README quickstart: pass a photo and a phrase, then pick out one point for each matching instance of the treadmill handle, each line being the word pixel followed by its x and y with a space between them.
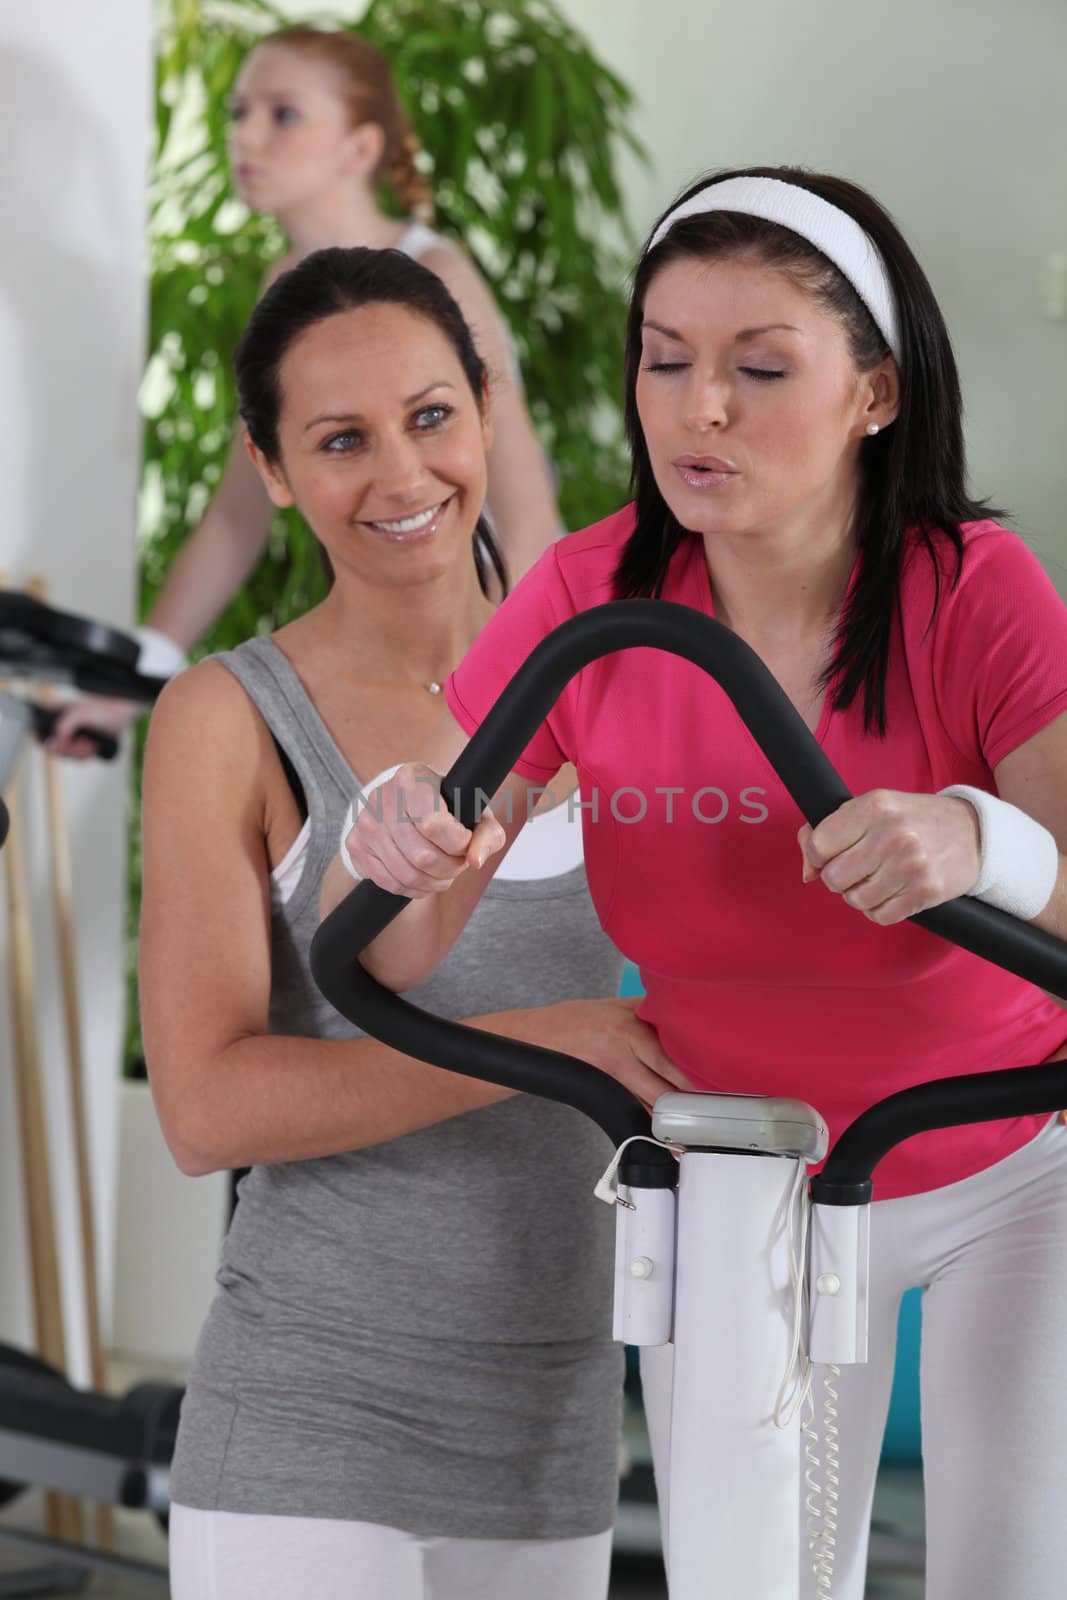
pixel 105 745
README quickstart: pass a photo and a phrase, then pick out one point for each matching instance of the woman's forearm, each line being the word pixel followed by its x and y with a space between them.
pixel 409 949
pixel 268 1098
pixel 218 555
pixel 521 493
pixel 417 941
pixel 208 570
pixel 1053 919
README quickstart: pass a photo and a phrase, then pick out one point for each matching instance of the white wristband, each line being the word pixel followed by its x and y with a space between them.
pixel 1020 860
pixel 160 656
pixel 350 815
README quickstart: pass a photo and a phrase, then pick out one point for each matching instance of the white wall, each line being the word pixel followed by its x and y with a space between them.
pixel 954 112
pixel 75 92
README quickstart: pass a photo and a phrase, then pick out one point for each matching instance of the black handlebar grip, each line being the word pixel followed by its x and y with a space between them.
pixel 105 745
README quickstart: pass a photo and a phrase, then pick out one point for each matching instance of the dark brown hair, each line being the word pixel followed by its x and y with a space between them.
pixel 324 284
pixel 912 475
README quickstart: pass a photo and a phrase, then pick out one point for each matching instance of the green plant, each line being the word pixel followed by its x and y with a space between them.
pixel 521 125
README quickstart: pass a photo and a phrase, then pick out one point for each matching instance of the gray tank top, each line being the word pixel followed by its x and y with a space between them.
pixel 417 1333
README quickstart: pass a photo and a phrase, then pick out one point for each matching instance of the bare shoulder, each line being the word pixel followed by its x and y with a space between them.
pixel 460 275
pixel 205 722
pixel 206 690
pixel 273 273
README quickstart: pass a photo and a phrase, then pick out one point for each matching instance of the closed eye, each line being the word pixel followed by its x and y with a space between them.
pixel 665 366
pixel 761 374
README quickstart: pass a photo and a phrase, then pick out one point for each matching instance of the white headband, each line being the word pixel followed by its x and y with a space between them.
pixel 834 232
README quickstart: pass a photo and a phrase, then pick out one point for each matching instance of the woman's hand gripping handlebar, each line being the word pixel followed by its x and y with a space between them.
pixel 407 841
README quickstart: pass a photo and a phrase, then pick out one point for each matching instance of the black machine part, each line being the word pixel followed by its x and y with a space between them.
pixel 40 642
pixel 15 1365
pixel 20 717
pixel 110 1449
pixel 28 624
pixel 105 745
pixel 113 1449
pixel 818 790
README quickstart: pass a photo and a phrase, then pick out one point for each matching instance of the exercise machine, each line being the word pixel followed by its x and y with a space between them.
pixel 110 1450
pixel 712 1262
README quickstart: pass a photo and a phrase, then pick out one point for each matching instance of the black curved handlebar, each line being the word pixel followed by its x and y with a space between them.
pixel 811 781
pixel 845 1180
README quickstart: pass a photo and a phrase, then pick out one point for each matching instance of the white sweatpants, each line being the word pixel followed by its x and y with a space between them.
pixel 990 1253
pixel 220 1555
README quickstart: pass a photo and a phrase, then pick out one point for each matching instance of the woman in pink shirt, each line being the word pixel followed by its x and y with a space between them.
pixel 798 469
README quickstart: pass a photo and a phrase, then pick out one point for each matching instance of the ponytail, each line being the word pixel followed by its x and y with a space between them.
pixel 406 179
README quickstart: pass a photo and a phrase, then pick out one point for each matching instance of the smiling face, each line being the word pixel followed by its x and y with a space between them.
pixel 291 135
pixel 381 445
pixel 751 405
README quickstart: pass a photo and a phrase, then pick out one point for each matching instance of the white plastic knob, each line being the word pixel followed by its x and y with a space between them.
pixel 641 1267
pixel 828 1283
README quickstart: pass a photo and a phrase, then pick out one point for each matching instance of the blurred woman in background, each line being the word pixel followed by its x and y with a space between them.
pixel 317 129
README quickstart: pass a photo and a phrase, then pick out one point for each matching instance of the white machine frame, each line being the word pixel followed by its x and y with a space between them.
pixel 710 1273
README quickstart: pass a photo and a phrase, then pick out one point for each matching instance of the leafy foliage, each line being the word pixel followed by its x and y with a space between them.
pixel 521 126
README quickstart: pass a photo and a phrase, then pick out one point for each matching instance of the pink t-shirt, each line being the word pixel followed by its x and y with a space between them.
pixel 756 982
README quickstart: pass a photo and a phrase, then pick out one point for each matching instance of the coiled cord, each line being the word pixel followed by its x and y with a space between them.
pixel 795 1392
pixel 822 1502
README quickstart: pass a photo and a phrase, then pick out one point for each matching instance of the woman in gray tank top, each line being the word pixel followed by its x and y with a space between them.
pixel 406 1388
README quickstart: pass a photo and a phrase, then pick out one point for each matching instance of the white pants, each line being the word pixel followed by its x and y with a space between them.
pixel 990 1253
pixel 219 1555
